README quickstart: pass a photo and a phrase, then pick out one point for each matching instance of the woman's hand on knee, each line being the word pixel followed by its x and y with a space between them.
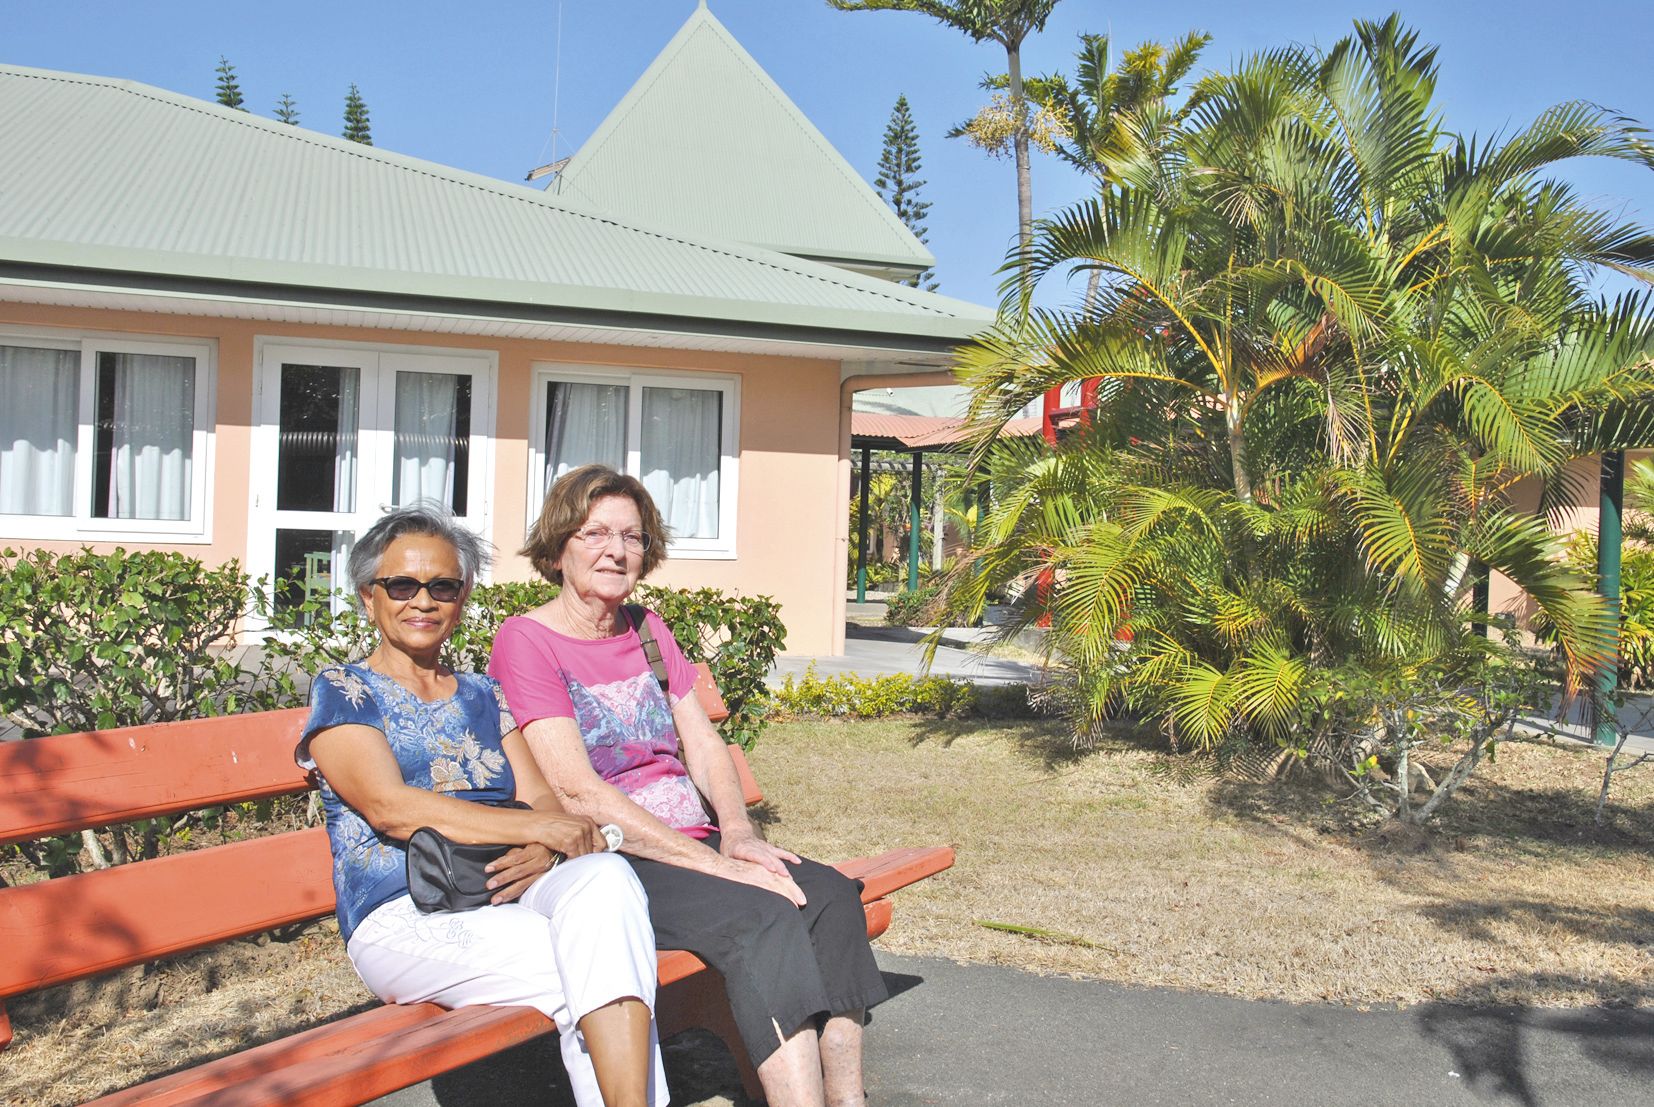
pixel 511 875
pixel 747 846
pixel 746 872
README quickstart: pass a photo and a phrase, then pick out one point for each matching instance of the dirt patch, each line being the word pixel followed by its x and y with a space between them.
pixel 1102 864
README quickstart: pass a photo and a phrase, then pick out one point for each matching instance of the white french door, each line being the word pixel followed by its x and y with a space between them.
pixel 343 432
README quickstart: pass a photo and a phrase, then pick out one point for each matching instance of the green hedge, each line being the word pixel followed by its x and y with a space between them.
pixel 737 636
pixel 94 641
pixel 858 697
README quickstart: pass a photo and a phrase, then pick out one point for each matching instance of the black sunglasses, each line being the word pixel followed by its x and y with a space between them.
pixel 442 589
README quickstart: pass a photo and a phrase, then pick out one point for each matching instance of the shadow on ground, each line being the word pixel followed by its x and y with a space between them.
pixel 1535 820
pixel 1490 1045
pixel 698 1069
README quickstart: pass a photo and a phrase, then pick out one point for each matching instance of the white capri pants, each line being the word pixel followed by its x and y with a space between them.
pixel 577 940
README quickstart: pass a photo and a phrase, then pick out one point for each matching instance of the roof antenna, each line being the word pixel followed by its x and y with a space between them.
pixel 550 168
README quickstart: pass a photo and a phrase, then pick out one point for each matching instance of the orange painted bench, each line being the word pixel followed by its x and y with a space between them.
pixel 74 927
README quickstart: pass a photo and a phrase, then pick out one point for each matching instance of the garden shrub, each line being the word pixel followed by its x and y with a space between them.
pixel 1636 604
pixel 915 608
pixel 883 575
pixel 858 697
pixel 95 641
pixel 737 636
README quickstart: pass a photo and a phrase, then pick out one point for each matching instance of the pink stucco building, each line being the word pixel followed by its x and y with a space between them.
pixel 240 339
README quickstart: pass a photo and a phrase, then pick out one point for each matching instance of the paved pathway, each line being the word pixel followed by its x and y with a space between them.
pixel 983 1035
pixel 880 651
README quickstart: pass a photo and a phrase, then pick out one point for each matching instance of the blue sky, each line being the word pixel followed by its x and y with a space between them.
pixel 473 86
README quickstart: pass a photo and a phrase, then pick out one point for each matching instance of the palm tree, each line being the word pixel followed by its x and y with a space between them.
pixel 1115 112
pixel 1009 23
pixel 1332 336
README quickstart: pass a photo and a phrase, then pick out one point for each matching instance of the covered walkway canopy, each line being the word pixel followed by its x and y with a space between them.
pixel 915 435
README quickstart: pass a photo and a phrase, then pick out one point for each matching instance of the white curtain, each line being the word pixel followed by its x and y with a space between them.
pixel 153 436
pixel 344 449
pixel 681 439
pixel 585 424
pixel 426 412
pixel 39 401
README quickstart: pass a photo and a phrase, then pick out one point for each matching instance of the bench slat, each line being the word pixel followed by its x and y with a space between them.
pixel 175 904
pixel 67 782
pixel 377 1052
pixel 887 872
pixel 130 914
pixel 170 905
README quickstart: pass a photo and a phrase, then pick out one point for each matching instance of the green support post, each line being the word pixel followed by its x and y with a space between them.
pixel 915 517
pixel 1611 501
pixel 861 525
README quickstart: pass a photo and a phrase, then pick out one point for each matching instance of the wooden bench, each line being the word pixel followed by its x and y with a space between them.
pixel 73 927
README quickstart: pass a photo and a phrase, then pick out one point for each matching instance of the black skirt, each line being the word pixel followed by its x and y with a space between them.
pixel 783 966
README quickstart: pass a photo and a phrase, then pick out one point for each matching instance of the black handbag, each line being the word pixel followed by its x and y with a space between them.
pixel 445 875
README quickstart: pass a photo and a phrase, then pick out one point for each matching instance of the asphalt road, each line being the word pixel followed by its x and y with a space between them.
pixel 984 1035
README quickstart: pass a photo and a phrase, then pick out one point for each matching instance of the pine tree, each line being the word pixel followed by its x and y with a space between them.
pixel 229 90
pixel 898 181
pixel 287 111
pixel 356 118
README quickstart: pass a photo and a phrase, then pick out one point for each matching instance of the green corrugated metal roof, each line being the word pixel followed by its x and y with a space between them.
pixel 705 141
pixel 119 178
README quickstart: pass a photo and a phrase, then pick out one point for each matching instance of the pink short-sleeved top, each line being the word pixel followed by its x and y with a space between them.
pixel 605 685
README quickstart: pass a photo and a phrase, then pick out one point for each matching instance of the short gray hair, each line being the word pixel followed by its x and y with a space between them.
pixel 427 517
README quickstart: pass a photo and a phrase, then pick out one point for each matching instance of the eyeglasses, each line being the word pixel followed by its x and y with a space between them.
pixel 599 537
pixel 442 589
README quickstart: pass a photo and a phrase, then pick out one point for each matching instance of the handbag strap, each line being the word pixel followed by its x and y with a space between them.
pixel 646 639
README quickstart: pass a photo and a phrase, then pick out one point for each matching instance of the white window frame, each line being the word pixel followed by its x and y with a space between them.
pixel 82 525
pixel 722 548
pixel 378 363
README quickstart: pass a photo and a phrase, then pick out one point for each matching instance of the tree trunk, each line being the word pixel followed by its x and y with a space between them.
pixel 1237 446
pixel 1019 143
pixel 1092 285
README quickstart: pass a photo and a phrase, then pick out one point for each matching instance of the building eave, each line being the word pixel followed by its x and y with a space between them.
pixel 145 293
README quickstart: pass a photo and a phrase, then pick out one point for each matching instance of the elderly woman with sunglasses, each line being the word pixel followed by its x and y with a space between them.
pixel 398 742
pixel 788 936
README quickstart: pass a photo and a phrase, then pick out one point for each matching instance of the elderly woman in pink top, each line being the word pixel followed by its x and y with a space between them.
pixel 788 935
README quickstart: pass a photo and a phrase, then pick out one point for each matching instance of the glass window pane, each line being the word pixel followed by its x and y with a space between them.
pixel 145 435
pixel 681 440
pixel 310 567
pixel 39 416
pixel 317 457
pixel 585 425
pixel 433 440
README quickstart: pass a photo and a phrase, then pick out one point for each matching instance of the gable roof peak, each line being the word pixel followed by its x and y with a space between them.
pixel 705 141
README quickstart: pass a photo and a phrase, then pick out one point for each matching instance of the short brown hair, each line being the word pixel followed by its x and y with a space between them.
pixel 569 504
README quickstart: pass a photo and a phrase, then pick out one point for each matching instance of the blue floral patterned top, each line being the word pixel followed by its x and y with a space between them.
pixel 451 746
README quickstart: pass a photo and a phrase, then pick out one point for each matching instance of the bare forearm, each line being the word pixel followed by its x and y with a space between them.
pixel 714 774
pixel 646 836
pixel 399 813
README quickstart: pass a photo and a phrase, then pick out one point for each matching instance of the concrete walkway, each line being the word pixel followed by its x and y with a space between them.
pixel 996 1037
pixel 881 651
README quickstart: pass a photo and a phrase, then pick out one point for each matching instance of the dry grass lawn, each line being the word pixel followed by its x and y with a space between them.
pixel 1274 891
